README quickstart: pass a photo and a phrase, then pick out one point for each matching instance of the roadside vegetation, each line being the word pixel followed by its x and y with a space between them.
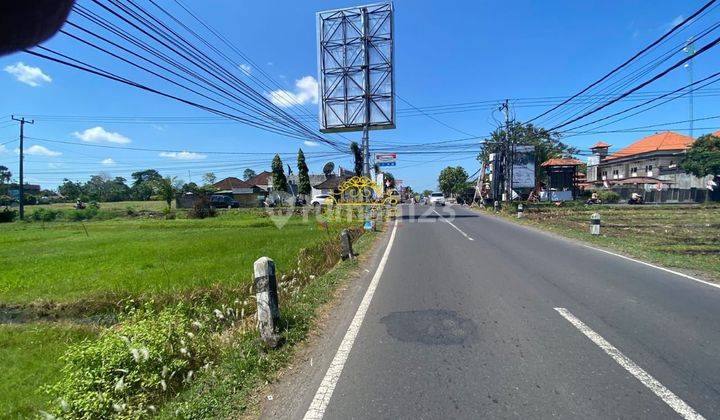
pixel 115 317
pixel 675 236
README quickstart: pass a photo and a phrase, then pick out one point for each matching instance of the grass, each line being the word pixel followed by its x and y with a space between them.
pixel 678 236
pixel 119 205
pixel 62 262
pixel 227 390
pixel 29 355
pixel 97 266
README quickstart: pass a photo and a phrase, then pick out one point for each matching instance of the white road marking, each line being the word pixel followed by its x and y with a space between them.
pixel 680 406
pixel 327 386
pixel 655 266
pixel 453 225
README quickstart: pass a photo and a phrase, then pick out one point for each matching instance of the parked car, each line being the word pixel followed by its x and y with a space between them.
pixel 437 199
pixel 321 200
pixel 223 201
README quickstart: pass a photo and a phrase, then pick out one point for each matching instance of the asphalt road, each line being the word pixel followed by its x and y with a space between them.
pixel 475 317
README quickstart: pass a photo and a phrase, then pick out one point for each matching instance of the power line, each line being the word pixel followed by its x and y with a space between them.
pixel 628 61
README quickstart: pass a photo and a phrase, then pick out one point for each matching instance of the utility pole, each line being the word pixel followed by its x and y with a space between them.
pixel 21 188
pixel 690 51
pixel 507 152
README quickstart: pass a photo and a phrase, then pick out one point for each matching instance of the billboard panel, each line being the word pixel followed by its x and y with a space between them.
pixel 355 62
pixel 523 171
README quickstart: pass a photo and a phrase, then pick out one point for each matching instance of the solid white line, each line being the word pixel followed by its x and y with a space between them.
pixel 327 386
pixel 656 266
pixel 684 410
pixel 453 225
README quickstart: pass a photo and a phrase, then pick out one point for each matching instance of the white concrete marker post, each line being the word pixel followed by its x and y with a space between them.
pixel 520 211
pixel 595 224
pixel 268 307
pixel 346 243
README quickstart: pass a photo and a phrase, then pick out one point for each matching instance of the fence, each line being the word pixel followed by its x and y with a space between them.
pixel 669 195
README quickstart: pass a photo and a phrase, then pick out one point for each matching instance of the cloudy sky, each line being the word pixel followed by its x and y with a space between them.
pixel 446 53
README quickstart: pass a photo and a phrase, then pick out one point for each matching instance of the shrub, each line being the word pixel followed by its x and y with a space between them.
pixel 6 200
pixel 201 209
pixel 46 215
pixel 146 358
pixel 85 214
pixel 608 196
pixel 169 213
pixel 8 215
pixel 130 211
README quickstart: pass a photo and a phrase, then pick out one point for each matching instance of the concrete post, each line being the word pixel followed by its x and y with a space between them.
pixel 347 251
pixel 595 224
pixel 496 206
pixel 268 307
pixel 520 211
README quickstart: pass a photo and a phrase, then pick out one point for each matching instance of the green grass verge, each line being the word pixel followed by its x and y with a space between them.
pixel 684 237
pixel 62 262
pixel 225 390
pixel 30 358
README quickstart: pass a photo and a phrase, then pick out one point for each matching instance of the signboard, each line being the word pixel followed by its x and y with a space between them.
pixel 593 160
pixel 14 194
pixel 385 159
pixel 523 175
pixel 355 62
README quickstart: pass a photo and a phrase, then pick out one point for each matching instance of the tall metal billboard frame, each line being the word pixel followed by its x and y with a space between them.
pixel 356 70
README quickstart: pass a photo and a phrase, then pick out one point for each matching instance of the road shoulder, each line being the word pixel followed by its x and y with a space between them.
pixel 551 232
pixel 291 394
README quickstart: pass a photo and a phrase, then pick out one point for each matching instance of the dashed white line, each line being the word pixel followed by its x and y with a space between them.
pixel 453 225
pixel 667 270
pixel 327 386
pixel 680 406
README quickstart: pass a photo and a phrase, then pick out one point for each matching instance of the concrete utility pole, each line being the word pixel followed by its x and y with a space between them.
pixel 507 152
pixel 690 51
pixel 21 187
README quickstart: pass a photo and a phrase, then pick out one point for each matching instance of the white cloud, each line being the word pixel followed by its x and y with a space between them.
pixel 306 90
pixel 38 150
pixel 99 135
pixel 29 75
pixel 2 148
pixel 108 162
pixel 310 143
pixel 245 69
pixel 183 155
pixel 54 165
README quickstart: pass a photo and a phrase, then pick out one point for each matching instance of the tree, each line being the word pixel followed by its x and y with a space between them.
pixel 702 158
pixel 547 144
pixel 357 155
pixel 70 190
pixel 426 193
pixel 389 177
pixel 165 189
pixel 303 177
pixel 209 178
pixel 142 188
pixel 5 174
pixel 249 173
pixel 453 180
pixel 279 181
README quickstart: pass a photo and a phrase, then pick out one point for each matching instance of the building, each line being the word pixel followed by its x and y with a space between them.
pixel 650 163
pixel 562 178
pixel 245 193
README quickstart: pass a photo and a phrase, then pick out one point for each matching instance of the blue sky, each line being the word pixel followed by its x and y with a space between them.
pixel 446 53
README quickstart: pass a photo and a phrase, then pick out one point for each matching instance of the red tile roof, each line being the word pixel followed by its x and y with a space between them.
pixel 263 178
pixel 231 182
pixel 666 140
pixel 600 145
pixel 561 162
pixel 716 134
